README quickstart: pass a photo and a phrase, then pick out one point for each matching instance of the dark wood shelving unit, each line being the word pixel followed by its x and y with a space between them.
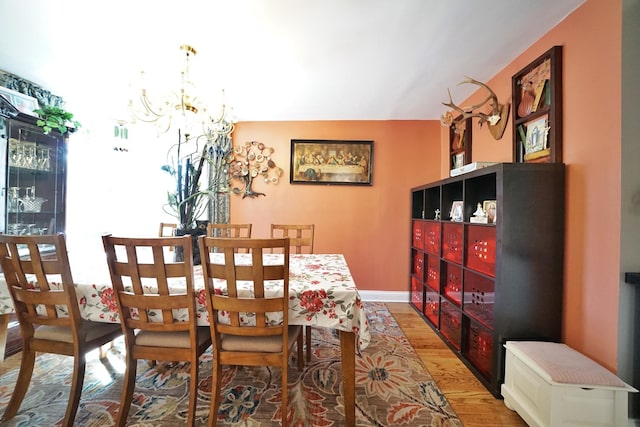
pixel 481 284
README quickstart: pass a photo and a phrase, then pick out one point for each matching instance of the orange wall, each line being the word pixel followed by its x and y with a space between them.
pixel 369 225
pixel 591 37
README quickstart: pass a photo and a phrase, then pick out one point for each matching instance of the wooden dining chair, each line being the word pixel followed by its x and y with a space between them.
pixel 46 304
pixel 235 341
pixel 149 289
pixel 230 230
pixel 300 236
pixel 167 229
pixel 301 241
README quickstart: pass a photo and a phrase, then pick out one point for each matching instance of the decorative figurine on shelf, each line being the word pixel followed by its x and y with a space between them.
pixel 479 216
pixel 437 216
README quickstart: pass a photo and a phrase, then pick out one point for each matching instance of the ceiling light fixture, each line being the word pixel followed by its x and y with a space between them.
pixel 181 107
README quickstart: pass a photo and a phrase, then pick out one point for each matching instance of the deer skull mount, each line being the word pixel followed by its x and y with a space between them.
pixel 496 119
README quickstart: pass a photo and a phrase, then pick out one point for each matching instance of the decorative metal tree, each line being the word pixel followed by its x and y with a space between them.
pixel 249 162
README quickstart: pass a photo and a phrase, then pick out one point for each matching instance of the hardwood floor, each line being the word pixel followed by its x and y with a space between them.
pixel 473 404
pixel 471 401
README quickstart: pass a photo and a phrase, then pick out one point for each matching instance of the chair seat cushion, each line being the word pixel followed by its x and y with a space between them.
pixel 63 333
pixel 268 344
pixel 175 339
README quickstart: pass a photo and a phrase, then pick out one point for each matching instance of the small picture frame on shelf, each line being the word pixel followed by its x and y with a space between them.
pixel 458 160
pixel 23 103
pixel 457 211
pixel 491 209
pixel 536 142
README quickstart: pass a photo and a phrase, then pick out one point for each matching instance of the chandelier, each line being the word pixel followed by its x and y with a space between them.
pixel 179 107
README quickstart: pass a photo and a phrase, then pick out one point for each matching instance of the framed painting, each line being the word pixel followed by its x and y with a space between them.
pixel 331 162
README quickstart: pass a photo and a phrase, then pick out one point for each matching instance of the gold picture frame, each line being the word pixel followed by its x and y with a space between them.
pixel 331 162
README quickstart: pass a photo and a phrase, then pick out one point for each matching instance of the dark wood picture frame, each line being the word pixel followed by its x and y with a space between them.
pixel 460 144
pixel 537 93
pixel 331 162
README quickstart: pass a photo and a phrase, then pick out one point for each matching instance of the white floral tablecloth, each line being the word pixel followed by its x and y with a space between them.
pixel 321 293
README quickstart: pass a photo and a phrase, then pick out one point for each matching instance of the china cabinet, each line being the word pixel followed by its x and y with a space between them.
pixel 33 166
pixel 487 252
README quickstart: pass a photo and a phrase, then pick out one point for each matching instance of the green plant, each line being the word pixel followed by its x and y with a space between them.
pixel 198 176
pixel 55 118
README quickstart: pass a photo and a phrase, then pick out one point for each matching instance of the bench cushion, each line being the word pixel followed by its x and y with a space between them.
pixel 562 364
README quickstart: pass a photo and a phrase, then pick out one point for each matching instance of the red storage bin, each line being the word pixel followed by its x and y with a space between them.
pixel 452 242
pixel 480 349
pixel 432 306
pixel 433 272
pixel 418 240
pixel 453 282
pixel 450 319
pixel 481 249
pixel 431 231
pixel 479 297
pixel 418 264
pixel 417 293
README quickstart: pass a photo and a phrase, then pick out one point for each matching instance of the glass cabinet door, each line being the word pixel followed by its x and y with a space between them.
pixel 35 180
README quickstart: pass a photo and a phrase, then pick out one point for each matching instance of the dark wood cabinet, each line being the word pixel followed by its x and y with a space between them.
pixel 33 178
pixel 537 109
pixel 480 284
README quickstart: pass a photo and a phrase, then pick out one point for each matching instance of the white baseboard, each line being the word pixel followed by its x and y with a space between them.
pixel 385 296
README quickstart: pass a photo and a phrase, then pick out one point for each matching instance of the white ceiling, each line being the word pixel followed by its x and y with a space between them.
pixel 276 59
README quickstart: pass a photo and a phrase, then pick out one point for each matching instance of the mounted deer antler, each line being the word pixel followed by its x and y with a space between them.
pixel 496 119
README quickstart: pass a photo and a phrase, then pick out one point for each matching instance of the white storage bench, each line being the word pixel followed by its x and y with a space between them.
pixel 551 385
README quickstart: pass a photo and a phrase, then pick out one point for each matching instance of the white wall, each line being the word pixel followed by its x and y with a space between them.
pixel 111 191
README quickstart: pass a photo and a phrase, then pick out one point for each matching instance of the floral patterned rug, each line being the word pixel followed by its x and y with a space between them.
pixel 392 388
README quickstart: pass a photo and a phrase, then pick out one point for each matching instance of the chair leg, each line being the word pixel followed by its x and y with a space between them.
pixel 300 355
pixel 193 393
pixel 22 385
pixel 216 385
pixel 284 409
pixel 127 390
pixel 76 389
pixel 307 334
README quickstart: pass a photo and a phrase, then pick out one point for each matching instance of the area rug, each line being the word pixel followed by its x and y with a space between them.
pixel 392 388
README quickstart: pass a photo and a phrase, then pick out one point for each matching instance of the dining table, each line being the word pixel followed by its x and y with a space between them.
pixel 322 293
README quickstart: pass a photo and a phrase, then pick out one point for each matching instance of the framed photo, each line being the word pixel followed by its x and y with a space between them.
pixel 491 208
pixel 460 144
pixel 330 162
pixel 25 104
pixel 458 160
pixel 536 139
pixel 457 211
